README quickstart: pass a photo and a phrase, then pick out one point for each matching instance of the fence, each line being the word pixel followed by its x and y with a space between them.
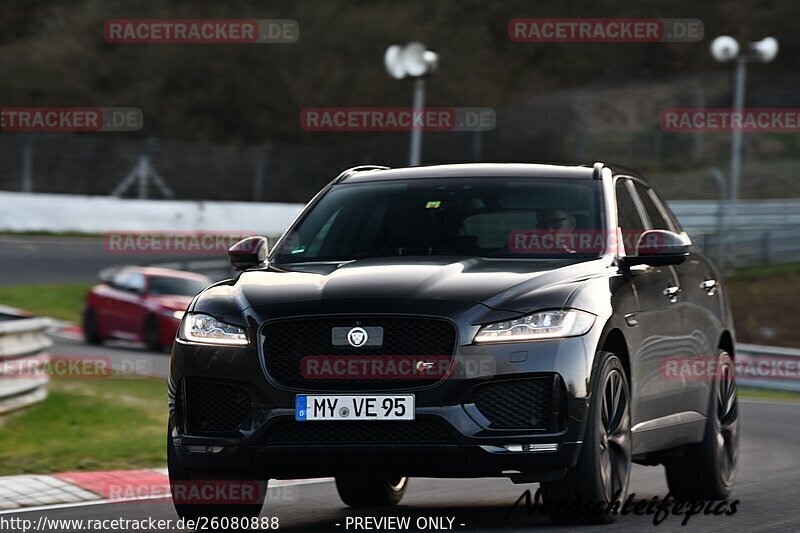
pixel 22 341
pixel 616 122
pixel 764 232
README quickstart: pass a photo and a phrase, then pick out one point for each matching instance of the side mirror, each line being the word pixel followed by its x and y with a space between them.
pixel 248 253
pixel 658 247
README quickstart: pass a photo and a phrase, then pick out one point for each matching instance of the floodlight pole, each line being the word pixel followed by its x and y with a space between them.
pixel 415 150
pixel 412 61
pixel 736 142
pixel 725 48
pixel 27 163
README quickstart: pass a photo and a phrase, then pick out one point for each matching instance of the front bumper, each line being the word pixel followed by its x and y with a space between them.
pixel 451 461
pixel 472 448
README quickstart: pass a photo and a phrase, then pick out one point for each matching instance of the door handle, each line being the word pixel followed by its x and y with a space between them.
pixel 710 286
pixel 672 293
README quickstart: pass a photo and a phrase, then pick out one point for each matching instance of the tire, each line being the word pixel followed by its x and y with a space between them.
pixel 152 334
pixel 91 327
pixel 178 476
pixel 602 473
pixel 371 491
pixel 707 469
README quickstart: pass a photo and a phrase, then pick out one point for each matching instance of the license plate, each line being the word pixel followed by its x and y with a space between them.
pixel 361 407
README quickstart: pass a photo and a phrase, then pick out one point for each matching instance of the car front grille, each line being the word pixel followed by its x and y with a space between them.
pixel 519 404
pixel 213 406
pixel 287 343
pixel 358 433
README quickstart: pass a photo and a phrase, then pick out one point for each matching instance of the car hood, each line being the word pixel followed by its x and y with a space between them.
pixel 499 284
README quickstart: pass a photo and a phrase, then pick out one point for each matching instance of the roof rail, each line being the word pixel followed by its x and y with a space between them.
pixel 597 172
pixel 360 168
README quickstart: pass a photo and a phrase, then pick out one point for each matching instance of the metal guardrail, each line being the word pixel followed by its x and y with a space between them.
pixel 764 232
pixel 768 367
pixel 754 247
pixel 23 341
pixel 702 216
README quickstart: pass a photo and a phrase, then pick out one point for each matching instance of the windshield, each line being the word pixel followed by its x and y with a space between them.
pixel 472 217
pixel 176 286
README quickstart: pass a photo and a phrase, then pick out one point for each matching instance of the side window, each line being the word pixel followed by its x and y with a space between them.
pixel 629 220
pixel 657 220
pixel 671 220
pixel 121 281
pixel 137 282
pixel 129 281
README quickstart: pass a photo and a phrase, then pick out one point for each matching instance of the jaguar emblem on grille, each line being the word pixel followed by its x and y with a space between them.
pixel 357 337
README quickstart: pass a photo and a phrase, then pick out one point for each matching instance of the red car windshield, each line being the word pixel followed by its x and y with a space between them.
pixel 176 286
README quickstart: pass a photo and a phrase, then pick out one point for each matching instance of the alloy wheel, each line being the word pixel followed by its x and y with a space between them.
pixel 615 440
pixel 727 421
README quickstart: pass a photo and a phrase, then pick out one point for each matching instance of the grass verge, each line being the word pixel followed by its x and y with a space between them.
pixel 752 393
pixel 762 300
pixel 61 300
pixel 88 424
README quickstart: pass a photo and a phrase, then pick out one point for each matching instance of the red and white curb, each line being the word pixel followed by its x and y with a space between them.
pixel 24 492
pixel 67 330
pixel 18 492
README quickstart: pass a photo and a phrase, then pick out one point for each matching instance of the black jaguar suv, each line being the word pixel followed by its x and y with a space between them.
pixel 524 321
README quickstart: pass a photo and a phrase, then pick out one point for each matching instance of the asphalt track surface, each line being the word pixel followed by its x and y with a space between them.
pixel 128 357
pixel 766 487
pixel 30 259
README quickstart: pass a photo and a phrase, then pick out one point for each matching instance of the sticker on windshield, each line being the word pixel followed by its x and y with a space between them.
pixel 433 205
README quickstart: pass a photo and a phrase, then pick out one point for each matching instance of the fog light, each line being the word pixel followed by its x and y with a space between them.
pixel 204 449
pixel 531 448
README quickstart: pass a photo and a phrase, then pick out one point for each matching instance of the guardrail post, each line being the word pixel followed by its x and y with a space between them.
pixel 766 248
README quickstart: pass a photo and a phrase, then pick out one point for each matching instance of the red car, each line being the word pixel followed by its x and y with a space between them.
pixel 140 304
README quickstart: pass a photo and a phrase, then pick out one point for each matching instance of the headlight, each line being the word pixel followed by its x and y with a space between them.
pixel 177 315
pixel 543 325
pixel 206 329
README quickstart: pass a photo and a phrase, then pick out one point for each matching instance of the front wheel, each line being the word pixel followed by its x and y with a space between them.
pixel 707 470
pixel 152 334
pixel 371 491
pixel 188 490
pixel 602 473
pixel 91 327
